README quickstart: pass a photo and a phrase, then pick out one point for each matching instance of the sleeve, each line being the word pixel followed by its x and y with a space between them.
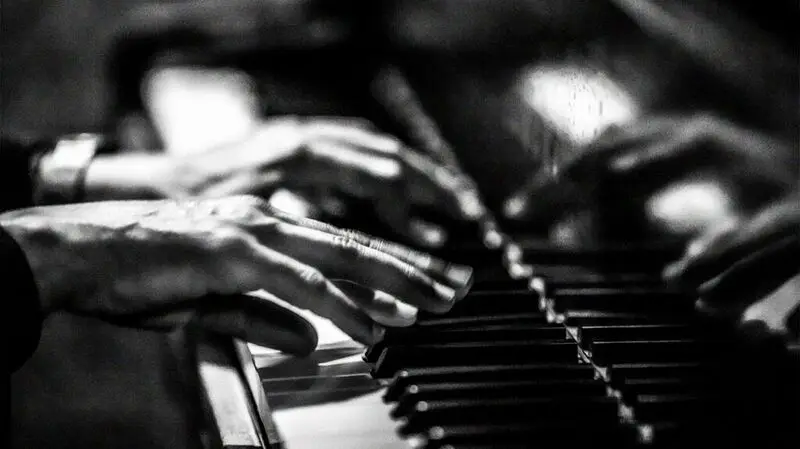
pixel 24 324
pixel 17 161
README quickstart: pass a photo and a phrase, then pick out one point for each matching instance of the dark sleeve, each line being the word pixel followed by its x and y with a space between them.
pixel 19 292
pixel 16 182
pixel 23 313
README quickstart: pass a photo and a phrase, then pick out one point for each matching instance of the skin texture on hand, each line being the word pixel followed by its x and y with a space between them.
pixel 321 158
pixel 160 263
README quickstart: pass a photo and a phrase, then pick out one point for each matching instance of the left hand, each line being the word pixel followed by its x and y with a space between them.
pixel 737 264
pixel 661 175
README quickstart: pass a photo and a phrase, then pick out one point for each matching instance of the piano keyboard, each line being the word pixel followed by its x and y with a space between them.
pixel 560 358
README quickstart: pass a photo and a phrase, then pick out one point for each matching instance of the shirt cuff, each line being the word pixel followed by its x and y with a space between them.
pixel 24 316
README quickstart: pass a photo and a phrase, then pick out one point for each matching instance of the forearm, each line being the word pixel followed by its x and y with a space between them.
pixel 126 176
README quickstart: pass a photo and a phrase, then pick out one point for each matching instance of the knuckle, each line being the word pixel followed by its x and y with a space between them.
pixel 231 239
pixel 314 279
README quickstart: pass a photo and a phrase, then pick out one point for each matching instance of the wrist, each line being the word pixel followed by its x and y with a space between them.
pixel 60 173
pixel 130 176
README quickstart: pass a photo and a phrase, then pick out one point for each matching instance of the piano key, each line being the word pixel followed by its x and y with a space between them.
pixel 621 371
pixel 282 385
pixel 531 317
pixel 394 358
pixel 506 284
pixel 487 373
pixel 427 414
pixel 416 392
pixel 706 406
pixel 607 352
pixel 567 275
pixel 434 334
pixel 638 258
pixel 638 331
pixel 492 302
pixel 623 300
pixel 631 388
pixel 608 433
pixel 579 318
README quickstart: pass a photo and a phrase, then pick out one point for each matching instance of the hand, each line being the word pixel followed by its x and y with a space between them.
pixel 321 159
pixel 160 263
pixel 739 263
pixel 663 175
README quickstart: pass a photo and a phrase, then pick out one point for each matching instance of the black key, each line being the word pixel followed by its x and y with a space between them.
pixel 531 317
pixel 578 318
pixel 491 303
pixel 491 284
pixel 631 388
pixel 621 371
pixel 621 300
pixel 488 373
pixel 690 407
pixel 394 358
pixel 604 433
pixel 623 332
pixel 609 352
pixel 417 392
pixel 623 258
pixel 427 414
pixel 555 276
pixel 433 334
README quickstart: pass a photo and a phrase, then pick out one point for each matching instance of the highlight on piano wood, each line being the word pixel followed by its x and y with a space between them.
pixel 428 224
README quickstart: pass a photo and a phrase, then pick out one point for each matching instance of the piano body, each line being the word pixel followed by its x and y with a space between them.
pixel 553 348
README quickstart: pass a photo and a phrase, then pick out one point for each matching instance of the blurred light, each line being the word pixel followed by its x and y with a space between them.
pixel 579 102
pixel 197 108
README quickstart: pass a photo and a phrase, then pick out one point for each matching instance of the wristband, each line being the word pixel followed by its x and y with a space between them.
pixel 62 172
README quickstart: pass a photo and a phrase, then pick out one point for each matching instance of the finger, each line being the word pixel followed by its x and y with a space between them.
pixel 344 258
pixel 350 122
pixel 381 307
pixel 455 275
pixel 355 136
pixel 260 321
pixel 344 167
pixel 431 184
pixel 250 318
pixel 302 286
pixel 397 217
pixel 243 183
pixel 708 258
pixel 752 278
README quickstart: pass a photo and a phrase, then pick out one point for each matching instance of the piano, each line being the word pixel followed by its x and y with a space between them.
pixel 552 347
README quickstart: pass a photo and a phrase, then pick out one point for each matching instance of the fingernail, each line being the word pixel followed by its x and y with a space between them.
pixel 446 293
pixel 513 253
pixel 461 275
pixel 471 205
pixel 430 234
pixel 514 206
pixel 407 314
pixel 493 239
pixel 672 272
pixel 519 271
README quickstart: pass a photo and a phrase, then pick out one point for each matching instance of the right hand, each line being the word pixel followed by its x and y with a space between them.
pixel 160 264
pixel 323 159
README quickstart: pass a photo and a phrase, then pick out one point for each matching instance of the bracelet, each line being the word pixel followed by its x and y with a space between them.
pixel 62 172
